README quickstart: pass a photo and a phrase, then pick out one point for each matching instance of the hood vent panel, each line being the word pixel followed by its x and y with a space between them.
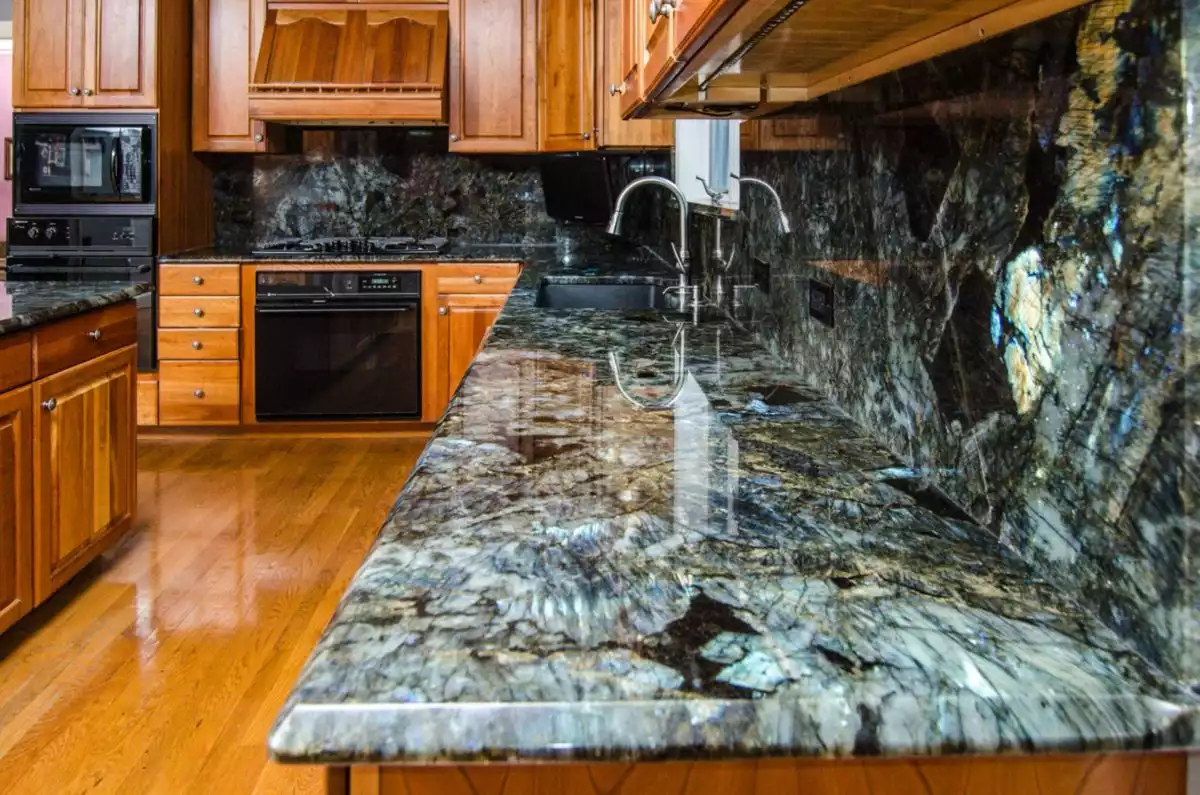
pixel 351 67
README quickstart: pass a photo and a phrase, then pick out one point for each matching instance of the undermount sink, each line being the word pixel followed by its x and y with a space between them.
pixel 552 295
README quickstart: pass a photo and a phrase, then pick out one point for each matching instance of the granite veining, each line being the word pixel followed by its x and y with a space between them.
pixel 36 303
pixel 1029 340
pixel 568 575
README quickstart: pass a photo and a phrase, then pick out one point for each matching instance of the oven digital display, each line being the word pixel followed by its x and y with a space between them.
pixel 379 281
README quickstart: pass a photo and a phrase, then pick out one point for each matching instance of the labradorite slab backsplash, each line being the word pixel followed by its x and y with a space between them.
pixel 1006 241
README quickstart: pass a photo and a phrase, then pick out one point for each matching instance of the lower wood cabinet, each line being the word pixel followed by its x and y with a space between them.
pixel 198 393
pixel 84 465
pixel 463 321
pixel 16 522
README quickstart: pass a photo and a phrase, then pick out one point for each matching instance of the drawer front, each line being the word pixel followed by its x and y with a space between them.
pixel 482 279
pixel 198 393
pixel 75 340
pixel 16 360
pixel 201 343
pixel 199 312
pixel 199 279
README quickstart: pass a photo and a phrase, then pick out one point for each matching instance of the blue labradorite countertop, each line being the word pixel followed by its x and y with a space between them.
pixel 746 572
pixel 35 303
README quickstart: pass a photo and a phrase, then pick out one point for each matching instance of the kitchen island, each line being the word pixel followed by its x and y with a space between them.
pixel 68 452
pixel 705 578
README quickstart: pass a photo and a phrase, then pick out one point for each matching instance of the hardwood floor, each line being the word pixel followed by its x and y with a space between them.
pixel 161 667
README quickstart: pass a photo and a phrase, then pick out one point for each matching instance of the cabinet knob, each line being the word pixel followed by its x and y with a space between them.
pixel 50 405
pixel 587 136
pixel 87 92
pixel 442 310
pixel 94 334
pixel 199 393
pixel 453 137
pixel 258 138
pixel 74 92
pixel 197 345
pixel 614 89
pixel 198 312
pixel 197 280
pixel 478 279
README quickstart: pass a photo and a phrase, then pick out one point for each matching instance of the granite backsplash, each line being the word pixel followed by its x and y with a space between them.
pixel 1004 235
pixel 385 182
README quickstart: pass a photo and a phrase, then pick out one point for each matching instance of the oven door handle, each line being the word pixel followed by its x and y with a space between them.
pixel 325 310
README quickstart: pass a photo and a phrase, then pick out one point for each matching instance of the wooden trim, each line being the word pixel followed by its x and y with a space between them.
pixel 18 403
pixel 425 108
pixel 16 360
pixel 430 410
pixel 147 400
pixel 366 780
pixel 247 344
pixel 351 429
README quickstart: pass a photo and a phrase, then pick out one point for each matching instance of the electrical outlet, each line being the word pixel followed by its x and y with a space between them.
pixel 820 301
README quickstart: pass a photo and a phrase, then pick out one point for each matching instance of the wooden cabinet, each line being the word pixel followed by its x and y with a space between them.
pixel 566 75
pixel 84 53
pixel 198 393
pixel 226 35
pixel 793 134
pixel 84 464
pixel 493 76
pixel 463 322
pixel 16 528
pixel 616 79
pixel 459 305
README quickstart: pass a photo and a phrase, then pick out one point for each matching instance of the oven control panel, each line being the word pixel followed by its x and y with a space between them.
pixel 100 234
pixel 339 283
pixel 386 282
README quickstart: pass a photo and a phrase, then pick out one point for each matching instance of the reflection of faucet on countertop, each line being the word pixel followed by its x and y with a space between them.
pixel 679 374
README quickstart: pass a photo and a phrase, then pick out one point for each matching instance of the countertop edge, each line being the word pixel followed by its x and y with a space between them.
pixel 29 320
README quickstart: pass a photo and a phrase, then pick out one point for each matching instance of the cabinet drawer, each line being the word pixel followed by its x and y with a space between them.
pixel 199 279
pixel 199 312
pixel 75 340
pixel 198 393
pixel 482 279
pixel 201 343
pixel 16 360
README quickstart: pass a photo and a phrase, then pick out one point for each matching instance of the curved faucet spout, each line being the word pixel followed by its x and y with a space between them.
pixel 614 223
pixel 784 224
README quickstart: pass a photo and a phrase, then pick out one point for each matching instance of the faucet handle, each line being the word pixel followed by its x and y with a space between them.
pixel 680 259
pixel 728 263
pixel 715 195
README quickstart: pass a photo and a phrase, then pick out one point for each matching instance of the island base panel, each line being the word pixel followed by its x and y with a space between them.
pixel 1083 774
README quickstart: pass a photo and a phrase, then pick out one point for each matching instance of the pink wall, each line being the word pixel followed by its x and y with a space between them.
pixel 6 127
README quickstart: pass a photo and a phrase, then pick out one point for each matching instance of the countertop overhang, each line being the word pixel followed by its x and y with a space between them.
pixel 34 303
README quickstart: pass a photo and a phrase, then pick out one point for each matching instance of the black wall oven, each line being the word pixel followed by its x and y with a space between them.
pixel 84 164
pixel 337 345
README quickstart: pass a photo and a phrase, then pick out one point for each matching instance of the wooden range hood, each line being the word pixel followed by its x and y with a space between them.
pixel 327 65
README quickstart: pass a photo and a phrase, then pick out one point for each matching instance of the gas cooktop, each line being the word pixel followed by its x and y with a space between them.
pixel 334 246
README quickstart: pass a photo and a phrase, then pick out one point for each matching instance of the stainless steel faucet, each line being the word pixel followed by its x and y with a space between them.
pixel 681 253
pixel 784 224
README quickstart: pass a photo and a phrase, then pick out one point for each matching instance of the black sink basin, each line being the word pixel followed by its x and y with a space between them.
pixel 600 296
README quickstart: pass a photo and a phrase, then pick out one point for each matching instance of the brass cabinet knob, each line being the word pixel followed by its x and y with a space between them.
pixel 198 312
pixel 74 92
pixel 478 279
pixel 87 92
pixel 50 405
pixel 614 89
pixel 197 280
pixel 197 345
pixel 199 393
pixel 453 137
pixel 587 136
pixel 94 334
pixel 258 138
pixel 442 310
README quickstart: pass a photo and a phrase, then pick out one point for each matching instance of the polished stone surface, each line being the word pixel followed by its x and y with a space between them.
pixel 24 305
pixel 709 560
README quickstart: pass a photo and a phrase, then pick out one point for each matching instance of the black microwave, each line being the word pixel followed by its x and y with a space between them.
pixel 83 164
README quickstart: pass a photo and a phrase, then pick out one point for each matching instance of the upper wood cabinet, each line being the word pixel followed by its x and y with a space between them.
pixel 617 80
pixel 493 76
pixel 226 35
pixel 84 53
pixel 750 58
pixel 16 529
pixel 566 75
pixel 85 464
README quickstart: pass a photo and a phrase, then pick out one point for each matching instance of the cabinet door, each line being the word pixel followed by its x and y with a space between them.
pixel 120 54
pixel 226 35
pixel 463 322
pixel 16 528
pixel 629 87
pixel 493 76
pixel 48 38
pixel 614 83
pixel 566 75
pixel 85 459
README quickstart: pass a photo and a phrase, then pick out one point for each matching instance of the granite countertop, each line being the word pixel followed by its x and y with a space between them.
pixel 35 303
pixel 459 252
pixel 568 576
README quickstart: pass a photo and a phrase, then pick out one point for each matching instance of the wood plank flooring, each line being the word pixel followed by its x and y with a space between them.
pixel 161 667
